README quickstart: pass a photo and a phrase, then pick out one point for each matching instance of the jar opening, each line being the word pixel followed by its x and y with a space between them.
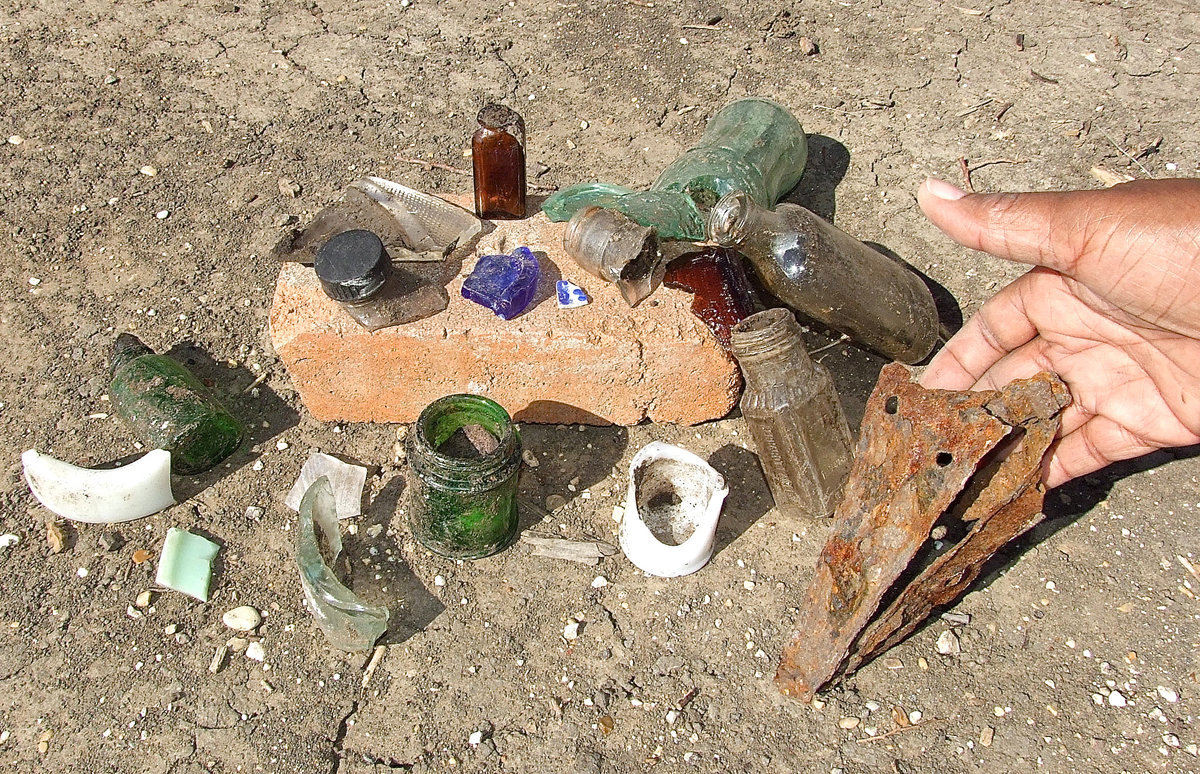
pixel 464 441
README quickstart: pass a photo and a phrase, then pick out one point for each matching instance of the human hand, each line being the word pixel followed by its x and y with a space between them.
pixel 1112 306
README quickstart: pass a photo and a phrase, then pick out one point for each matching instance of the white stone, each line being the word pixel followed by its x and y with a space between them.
pixel 848 723
pixel 242 619
pixel 255 651
pixel 571 630
pixel 475 739
pixel 599 582
pixel 1168 694
pixel 947 643
pixel 8 540
pixel 1117 699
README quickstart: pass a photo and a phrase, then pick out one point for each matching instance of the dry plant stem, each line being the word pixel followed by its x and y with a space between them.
pixel 463 172
pixel 1128 155
pixel 897 730
pixel 966 175
pixel 990 162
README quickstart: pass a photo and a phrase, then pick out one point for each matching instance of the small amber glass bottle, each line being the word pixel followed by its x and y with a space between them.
pixel 793 415
pixel 498 158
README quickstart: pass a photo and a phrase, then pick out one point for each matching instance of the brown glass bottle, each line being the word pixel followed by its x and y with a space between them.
pixel 722 294
pixel 498 158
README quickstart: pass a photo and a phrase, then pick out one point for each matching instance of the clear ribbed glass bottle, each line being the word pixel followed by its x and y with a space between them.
pixel 830 277
pixel 793 414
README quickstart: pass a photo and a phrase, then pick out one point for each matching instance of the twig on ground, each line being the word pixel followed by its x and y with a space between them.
pixel 973 108
pixel 990 162
pixel 464 172
pixel 703 27
pixel 897 730
pixel 1128 155
pixel 966 175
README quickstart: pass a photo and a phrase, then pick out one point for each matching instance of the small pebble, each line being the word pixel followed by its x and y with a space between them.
pixel 170 629
pixel 1117 699
pixel 986 735
pixel 148 171
pixel 143 599
pixel 110 541
pixel 15 139
pixel 872 706
pixel 947 644
pixel 35 281
pixel 748 585
pixel 82 572
pixel 8 540
pixel 162 214
pixel 599 582
pixel 237 644
pixel 529 458
pixel 439 580
pixel 1170 740
pixel 915 716
pixel 281 445
pixel 242 619
pixel 258 465
pixel 475 739
pixel 672 716
pixel 808 46
pixel 255 651
pixel 1168 694
pixel 374 530
pixel 571 630
pixel 254 513
pixel 848 723
pixel 141 556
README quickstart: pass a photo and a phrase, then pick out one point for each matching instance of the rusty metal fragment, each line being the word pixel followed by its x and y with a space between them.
pixel 970 461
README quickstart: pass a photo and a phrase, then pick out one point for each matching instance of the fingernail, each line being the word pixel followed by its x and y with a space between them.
pixel 943 190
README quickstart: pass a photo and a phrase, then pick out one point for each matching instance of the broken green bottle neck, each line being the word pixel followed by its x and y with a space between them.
pixel 125 350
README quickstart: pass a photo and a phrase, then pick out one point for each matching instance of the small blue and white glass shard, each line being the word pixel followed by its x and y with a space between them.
pixel 504 283
pixel 570 295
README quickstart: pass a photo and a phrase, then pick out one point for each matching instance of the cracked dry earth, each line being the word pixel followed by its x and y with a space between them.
pixel 140 186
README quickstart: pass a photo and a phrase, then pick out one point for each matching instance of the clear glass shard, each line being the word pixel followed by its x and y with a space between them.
pixel 347 621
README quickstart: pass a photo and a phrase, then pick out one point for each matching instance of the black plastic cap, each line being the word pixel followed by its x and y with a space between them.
pixel 352 265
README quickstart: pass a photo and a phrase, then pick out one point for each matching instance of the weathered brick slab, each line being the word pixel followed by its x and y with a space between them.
pixel 599 364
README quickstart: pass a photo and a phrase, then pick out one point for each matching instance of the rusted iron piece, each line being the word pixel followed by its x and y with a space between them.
pixel 971 458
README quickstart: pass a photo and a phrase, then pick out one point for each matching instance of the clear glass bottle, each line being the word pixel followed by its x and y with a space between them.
pixel 357 272
pixel 464 452
pixel 168 408
pixel 830 277
pixel 498 160
pixel 793 415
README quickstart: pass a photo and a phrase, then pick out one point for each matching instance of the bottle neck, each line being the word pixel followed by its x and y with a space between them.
pixel 769 348
pixel 734 218
pixel 125 350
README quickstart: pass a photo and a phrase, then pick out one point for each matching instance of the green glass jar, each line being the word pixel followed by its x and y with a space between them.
pixel 464 452
pixel 168 408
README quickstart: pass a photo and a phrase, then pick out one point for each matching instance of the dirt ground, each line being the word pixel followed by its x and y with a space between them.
pixel 141 190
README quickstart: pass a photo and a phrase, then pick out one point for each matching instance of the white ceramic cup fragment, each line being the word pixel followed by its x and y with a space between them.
pixel 107 496
pixel 671 510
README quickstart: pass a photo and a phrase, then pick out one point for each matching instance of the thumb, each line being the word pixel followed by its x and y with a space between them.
pixel 1033 228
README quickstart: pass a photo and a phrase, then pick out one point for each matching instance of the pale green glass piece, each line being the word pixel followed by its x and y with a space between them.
pixel 563 204
pixel 186 563
pixel 347 621
pixel 752 145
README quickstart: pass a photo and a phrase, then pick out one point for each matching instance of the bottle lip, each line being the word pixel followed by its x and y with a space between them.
pixel 727 219
pixel 496 116
pixel 765 334
pixel 352 266
pixel 127 347
pixel 477 474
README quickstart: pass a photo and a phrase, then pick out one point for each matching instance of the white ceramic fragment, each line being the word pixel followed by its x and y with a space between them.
pixel 671 510
pixel 346 480
pixel 101 496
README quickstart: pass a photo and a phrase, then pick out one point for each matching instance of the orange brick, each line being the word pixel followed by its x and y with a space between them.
pixel 603 363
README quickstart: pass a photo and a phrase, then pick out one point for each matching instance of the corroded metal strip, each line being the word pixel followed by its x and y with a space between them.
pixel 917 452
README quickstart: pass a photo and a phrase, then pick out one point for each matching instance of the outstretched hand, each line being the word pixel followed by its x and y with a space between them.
pixel 1112 306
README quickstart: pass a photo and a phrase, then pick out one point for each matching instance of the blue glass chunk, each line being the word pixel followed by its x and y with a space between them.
pixel 504 283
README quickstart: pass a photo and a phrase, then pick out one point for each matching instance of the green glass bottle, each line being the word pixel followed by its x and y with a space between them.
pixel 752 145
pixel 168 408
pixel 465 453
